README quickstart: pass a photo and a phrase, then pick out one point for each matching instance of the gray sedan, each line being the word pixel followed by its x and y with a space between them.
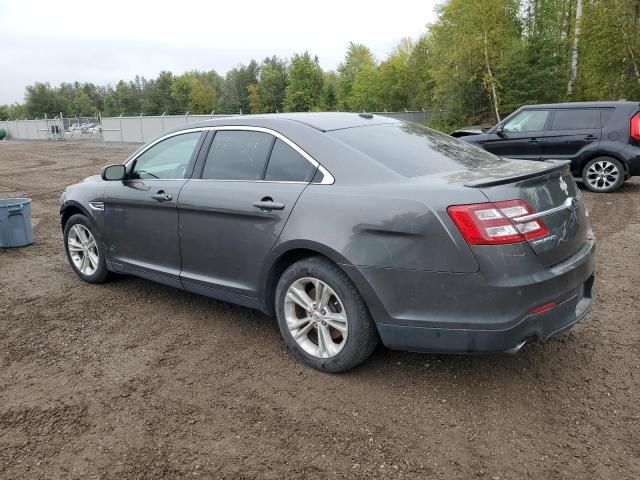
pixel 349 228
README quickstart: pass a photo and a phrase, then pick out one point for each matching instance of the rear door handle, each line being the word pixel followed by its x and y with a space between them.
pixel 267 204
pixel 590 137
pixel 161 196
pixel 534 140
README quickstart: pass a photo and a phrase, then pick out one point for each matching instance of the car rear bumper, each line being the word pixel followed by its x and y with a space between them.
pixel 465 313
pixel 632 157
pixel 538 327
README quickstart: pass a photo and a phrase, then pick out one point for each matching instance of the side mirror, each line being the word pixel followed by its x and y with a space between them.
pixel 112 173
pixel 500 131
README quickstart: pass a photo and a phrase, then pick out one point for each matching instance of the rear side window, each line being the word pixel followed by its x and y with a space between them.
pixel 577 119
pixel 605 115
pixel 237 155
pixel 412 150
pixel 287 165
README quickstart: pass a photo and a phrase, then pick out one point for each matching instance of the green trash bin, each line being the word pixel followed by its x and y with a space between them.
pixel 15 222
pixel 3 133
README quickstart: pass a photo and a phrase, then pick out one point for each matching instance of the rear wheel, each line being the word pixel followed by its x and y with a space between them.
pixel 84 251
pixel 603 174
pixel 322 317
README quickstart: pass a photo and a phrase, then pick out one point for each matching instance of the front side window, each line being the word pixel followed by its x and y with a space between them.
pixel 238 155
pixel 527 121
pixel 576 119
pixel 168 159
pixel 287 165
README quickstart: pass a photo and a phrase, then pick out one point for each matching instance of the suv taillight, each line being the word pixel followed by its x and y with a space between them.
pixel 634 131
pixel 492 224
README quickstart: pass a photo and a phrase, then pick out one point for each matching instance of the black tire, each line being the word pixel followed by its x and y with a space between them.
pixel 362 337
pixel 101 273
pixel 604 185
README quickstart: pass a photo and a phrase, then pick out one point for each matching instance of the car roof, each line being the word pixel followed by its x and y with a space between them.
pixel 322 121
pixel 611 104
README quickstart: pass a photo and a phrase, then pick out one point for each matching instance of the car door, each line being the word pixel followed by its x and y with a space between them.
pixel 570 132
pixel 232 215
pixel 141 215
pixel 520 136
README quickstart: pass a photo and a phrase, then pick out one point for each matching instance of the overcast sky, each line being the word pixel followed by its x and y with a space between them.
pixel 105 41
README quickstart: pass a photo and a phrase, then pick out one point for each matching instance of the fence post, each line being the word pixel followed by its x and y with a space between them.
pixel 121 137
pixel 141 129
pixel 186 118
pixel 162 121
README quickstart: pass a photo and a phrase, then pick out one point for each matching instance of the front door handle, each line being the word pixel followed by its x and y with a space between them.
pixel 267 204
pixel 534 140
pixel 161 196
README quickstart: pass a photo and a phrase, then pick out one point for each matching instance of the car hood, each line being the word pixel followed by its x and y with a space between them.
pixel 92 178
pixel 468 131
pixel 480 137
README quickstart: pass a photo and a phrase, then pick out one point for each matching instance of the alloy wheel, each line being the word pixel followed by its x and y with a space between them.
pixel 316 317
pixel 602 175
pixel 83 249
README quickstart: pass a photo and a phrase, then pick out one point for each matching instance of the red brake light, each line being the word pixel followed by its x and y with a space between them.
pixel 634 131
pixel 492 223
pixel 543 308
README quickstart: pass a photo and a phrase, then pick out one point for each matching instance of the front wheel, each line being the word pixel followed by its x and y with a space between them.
pixel 322 317
pixel 603 174
pixel 83 250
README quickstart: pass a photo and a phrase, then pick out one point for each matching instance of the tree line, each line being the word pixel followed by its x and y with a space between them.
pixel 476 63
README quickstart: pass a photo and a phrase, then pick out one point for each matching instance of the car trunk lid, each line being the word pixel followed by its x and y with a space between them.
pixel 553 195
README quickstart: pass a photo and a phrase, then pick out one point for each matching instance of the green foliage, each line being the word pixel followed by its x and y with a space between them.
pixel 609 66
pixel 12 111
pixel 530 74
pixel 267 95
pixel 235 96
pixel 358 63
pixel 304 89
pixel 195 92
pixel 329 97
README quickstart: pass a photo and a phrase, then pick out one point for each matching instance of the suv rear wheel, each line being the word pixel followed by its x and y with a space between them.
pixel 322 317
pixel 603 174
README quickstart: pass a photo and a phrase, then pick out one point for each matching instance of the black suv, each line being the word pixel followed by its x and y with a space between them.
pixel 602 139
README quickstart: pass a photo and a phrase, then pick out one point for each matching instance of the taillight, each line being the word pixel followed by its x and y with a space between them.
pixel 634 131
pixel 493 224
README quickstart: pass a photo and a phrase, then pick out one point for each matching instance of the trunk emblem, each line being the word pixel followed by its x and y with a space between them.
pixel 564 187
pixel 572 204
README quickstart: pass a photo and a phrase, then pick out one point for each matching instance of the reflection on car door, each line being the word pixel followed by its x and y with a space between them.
pixel 521 136
pixel 231 216
pixel 141 215
pixel 570 131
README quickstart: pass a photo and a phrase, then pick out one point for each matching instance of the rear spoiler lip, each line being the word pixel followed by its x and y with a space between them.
pixel 492 181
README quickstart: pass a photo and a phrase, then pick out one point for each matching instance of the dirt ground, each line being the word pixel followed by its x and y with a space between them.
pixel 137 380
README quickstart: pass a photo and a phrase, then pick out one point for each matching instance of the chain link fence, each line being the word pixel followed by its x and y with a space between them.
pixel 133 129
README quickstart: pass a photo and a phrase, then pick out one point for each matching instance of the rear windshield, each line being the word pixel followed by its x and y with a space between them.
pixel 413 150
